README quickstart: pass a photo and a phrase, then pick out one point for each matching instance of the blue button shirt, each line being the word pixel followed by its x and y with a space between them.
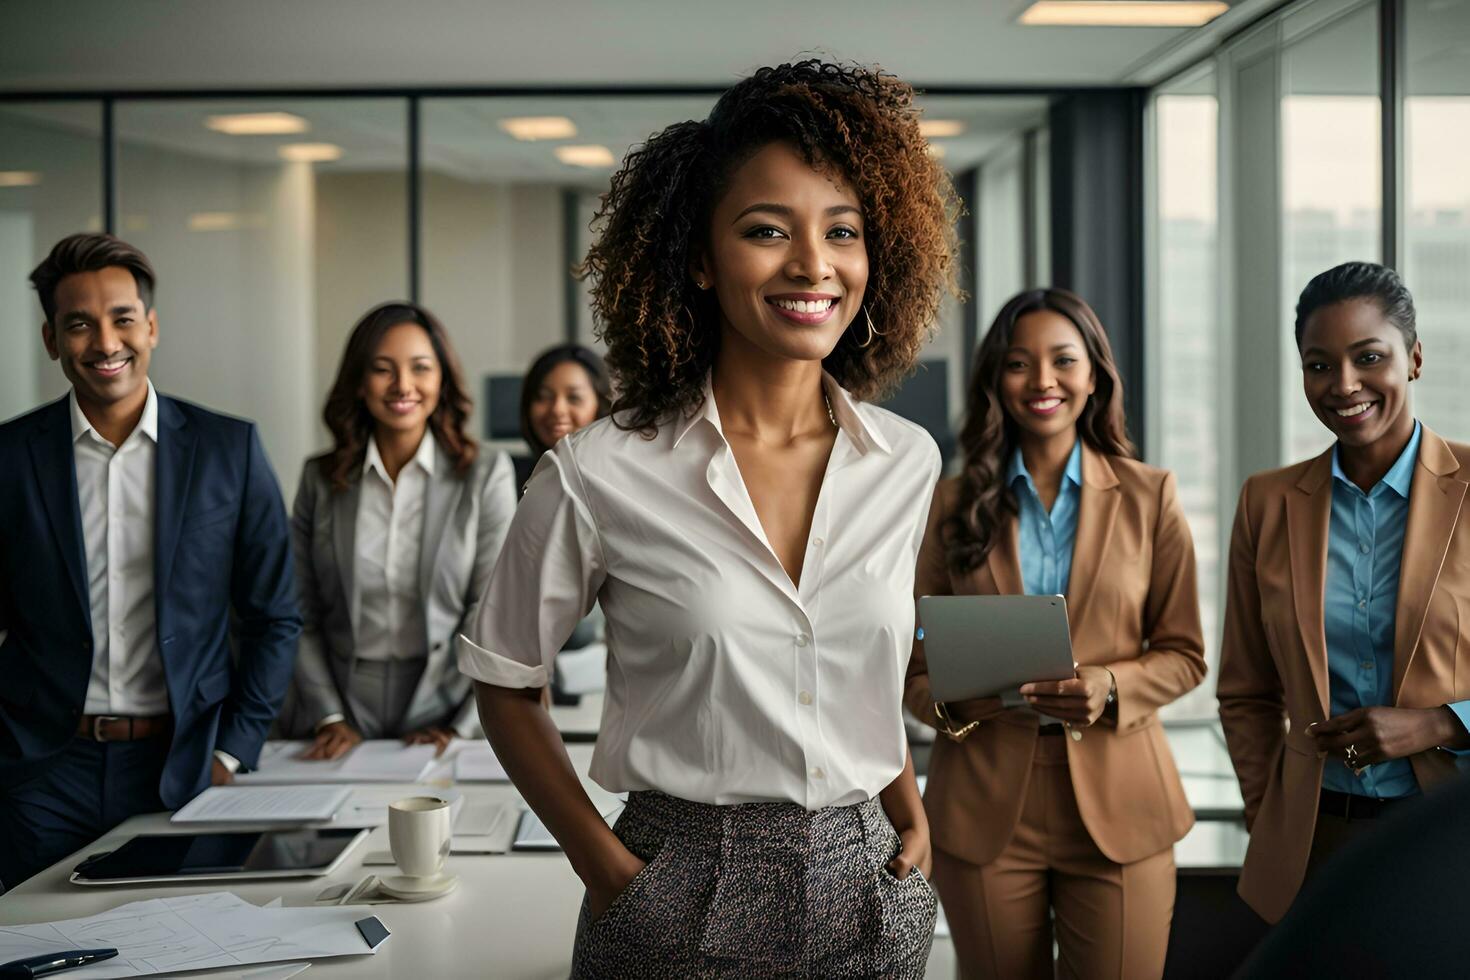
pixel 1365 547
pixel 1046 539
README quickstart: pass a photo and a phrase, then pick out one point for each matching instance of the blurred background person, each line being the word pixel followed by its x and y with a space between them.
pixel 396 531
pixel 565 389
pixel 1055 822
pixel 1343 664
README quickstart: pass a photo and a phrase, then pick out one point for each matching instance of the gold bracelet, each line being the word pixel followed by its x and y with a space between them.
pixel 947 724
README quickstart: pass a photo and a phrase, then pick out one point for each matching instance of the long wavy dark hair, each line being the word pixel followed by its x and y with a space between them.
pixel 348 418
pixel 990 435
pixel 662 333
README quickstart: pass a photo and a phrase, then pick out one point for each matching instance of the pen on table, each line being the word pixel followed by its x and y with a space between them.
pixel 49 963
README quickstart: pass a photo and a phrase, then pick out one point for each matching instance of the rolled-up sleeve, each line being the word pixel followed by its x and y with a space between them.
pixel 547 578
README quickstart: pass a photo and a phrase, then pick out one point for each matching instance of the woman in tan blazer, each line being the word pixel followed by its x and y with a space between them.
pixel 1345 672
pixel 1065 810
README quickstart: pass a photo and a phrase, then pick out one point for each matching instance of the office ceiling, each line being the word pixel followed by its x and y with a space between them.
pixel 217 44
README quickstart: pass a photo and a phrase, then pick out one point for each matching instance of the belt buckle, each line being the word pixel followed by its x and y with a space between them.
pixel 97 721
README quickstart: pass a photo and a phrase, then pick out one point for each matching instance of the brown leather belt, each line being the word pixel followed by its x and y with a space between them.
pixel 1354 807
pixel 123 728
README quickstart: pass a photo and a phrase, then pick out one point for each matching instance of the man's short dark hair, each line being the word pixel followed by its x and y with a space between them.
pixel 1360 280
pixel 90 252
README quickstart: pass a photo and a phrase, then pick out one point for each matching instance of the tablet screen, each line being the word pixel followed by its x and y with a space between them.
pixel 252 852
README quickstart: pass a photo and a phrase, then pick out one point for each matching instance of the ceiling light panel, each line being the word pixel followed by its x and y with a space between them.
pixel 585 156
pixel 540 127
pixel 1122 13
pixel 257 124
pixel 310 152
pixel 19 178
pixel 940 128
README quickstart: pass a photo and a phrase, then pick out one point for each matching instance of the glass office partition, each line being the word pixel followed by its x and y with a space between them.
pixel 50 187
pixel 273 224
pixel 508 190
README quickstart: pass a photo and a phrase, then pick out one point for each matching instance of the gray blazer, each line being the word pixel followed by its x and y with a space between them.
pixel 465 521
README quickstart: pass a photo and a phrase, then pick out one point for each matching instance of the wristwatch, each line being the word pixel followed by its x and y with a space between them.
pixel 1112 688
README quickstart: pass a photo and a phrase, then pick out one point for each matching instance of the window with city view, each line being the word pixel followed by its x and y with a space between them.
pixel 1187 332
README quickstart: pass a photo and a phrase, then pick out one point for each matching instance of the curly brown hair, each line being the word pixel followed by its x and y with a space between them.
pixel 662 333
pixel 989 434
pixel 348 418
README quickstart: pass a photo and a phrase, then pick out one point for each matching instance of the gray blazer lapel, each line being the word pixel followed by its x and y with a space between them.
pixel 442 498
pixel 344 543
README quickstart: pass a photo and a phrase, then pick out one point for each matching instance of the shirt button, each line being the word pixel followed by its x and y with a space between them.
pixel 805 697
pixel 801 639
pixel 1367 665
pixel 1362 603
pixel 817 542
pixel 1364 548
pixel 817 773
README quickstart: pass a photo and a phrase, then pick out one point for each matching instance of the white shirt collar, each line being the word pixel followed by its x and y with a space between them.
pixel 844 411
pixel 148 424
pixel 424 458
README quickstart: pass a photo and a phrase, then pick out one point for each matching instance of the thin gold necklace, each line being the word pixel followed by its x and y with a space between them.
pixel 829 408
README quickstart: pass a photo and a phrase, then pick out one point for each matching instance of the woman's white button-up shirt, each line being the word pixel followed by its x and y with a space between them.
pixel 727 683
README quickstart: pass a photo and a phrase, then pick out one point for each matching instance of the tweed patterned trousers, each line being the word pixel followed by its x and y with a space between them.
pixel 755 891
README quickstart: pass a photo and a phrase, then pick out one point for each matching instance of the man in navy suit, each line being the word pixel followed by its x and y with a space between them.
pixel 148 619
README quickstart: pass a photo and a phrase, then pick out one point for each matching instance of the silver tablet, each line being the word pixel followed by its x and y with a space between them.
pixel 981 646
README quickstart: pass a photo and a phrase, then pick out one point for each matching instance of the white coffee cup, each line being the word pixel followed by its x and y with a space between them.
pixel 419 835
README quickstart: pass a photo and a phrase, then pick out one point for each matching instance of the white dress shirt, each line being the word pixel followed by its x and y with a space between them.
pixel 726 682
pixel 387 541
pixel 115 497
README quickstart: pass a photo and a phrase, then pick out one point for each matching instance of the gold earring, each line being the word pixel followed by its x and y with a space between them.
pixel 872 330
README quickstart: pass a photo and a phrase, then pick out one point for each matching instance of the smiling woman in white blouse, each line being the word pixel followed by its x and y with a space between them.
pixel 395 533
pixel 750 527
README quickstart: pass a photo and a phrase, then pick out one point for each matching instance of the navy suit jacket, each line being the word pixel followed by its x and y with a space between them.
pixel 222 579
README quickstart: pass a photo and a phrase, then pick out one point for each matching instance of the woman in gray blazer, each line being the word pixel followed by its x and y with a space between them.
pixel 396 531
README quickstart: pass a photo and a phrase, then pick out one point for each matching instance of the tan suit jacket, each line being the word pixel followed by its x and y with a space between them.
pixel 1273 665
pixel 1134 609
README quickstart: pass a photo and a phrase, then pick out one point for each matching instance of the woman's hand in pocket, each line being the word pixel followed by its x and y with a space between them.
pixel 914 851
pixel 612 879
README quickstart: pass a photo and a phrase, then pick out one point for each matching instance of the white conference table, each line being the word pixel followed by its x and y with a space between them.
pixel 513 915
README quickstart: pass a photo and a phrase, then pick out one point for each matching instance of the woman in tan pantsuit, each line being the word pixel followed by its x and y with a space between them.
pixel 1345 672
pixel 1067 808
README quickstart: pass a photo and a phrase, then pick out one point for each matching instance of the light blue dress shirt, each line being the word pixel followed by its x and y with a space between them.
pixel 1046 539
pixel 1365 547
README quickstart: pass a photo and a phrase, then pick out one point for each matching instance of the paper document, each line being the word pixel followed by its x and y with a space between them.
pixel 532 835
pixel 191 932
pixel 367 806
pixel 376 761
pixel 264 804
pixel 475 762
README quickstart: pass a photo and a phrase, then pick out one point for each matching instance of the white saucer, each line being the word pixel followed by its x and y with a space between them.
pixel 410 889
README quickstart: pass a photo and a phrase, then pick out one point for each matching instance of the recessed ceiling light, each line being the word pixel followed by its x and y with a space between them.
pixel 939 128
pixel 257 124
pixel 19 178
pixel 214 221
pixel 540 127
pixel 1122 13
pixel 585 156
pixel 310 152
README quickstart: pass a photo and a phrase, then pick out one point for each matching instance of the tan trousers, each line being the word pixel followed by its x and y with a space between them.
pixel 1111 920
